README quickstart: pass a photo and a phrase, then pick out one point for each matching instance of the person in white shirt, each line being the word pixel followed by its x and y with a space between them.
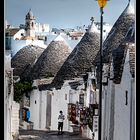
pixel 61 118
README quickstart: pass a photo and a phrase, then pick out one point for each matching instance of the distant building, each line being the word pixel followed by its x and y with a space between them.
pixel 30 24
pixel 22 26
pixel 17 38
pixel 76 35
pixel 41 29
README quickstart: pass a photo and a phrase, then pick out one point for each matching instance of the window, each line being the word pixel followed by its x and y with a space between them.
pixel 65 96
pixel 126 97
pixel 81 99
pixel 32 24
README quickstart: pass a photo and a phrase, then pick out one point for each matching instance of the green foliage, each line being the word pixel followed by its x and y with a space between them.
pixel 20 88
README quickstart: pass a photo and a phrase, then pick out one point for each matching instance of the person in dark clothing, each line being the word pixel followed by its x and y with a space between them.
pixel 61 118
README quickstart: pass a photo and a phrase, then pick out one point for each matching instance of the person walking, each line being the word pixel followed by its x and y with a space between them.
pixel 61 118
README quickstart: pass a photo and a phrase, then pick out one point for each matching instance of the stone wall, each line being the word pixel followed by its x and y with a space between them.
pixel 15 121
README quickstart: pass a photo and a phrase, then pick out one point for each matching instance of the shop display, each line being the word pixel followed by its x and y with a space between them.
pixel 72 112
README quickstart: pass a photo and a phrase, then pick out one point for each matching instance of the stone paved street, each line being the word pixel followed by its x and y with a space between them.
pixel 48 135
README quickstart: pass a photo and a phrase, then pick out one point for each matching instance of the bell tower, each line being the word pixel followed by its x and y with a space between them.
pixel 30 24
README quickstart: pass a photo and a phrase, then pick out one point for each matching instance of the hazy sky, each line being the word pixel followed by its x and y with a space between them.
pixel 62 13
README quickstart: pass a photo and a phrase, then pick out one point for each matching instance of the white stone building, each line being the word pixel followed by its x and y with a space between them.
pixel 75 66
pixel 45 67
pixel 118 93
pixel 17 38
pixel 41 28
pixel 46 104
pixel 119 104
pixel 11 108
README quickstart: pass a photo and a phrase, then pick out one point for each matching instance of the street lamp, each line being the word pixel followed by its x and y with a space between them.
pixel 102 4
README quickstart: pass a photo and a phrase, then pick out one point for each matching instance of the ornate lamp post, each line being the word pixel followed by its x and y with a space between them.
pixel 102 4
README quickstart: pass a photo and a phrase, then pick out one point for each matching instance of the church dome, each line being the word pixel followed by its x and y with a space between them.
pixel 51 59
pixel 29 15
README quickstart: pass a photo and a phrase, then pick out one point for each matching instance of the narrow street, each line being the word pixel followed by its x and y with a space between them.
pixel 48 135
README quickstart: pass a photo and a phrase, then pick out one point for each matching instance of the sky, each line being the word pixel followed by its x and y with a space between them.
pixel 63 13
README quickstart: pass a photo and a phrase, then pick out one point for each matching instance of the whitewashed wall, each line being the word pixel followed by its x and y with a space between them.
pixel 18 34
pixel 60 102
pixel 43 105
pixel 15 120
pixel 38 109
pixel 40 27
pixel 108 96
pixel 7 101
pixel 34 108
pixel 11 108
pixel 132 110
pixel 122 111
pixel 117 117
pixel 7 113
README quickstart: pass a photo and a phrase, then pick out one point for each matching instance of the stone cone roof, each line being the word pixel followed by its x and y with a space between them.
pixel 118 31
pixel 116 36
pixel 24 59
pixel 119 56
pixel 51 59
pixel 80 59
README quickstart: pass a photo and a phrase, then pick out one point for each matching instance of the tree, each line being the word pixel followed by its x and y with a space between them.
pixel 20 88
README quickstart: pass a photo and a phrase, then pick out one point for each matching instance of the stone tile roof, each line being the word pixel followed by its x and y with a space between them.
pixel 80 59
pixel 118 32
pixel 51 59
pixel 119 56
pixel 24 59
pixel 75 84
pixel 46 85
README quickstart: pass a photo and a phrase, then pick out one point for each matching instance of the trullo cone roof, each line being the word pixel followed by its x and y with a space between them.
pixel 51 59
pixel 24 59
pixel 80 59
pixel 118 31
